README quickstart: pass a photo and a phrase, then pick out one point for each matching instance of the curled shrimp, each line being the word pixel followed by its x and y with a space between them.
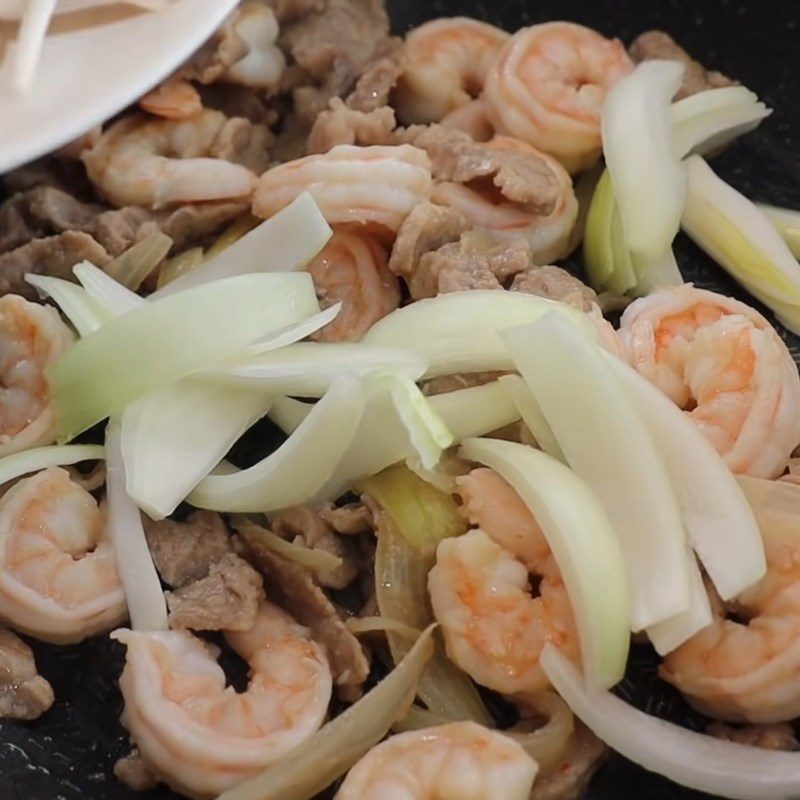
pixel 724 363
pixel 375 187
pixel 547 87
pixel 497 208
pixel 58 577
pixel 32 338
pixel 200 737
pixel 746 668
pixel 446 61
pixel 156 162
pixel 353 269
pixel 174 99
pixel 458 761
pixel 494 628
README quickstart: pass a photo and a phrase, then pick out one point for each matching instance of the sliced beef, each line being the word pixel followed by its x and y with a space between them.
pixel 24 694
pixel 226 599
pixel 373 88
pixel 289 10
pixel 184 552
pixel 779 736
pixel 131 770
pixel 521 176
pixel 305 527
pixel 242 142
pixel 657 44
pixel 555 283
pixel 352 519
pixel 51 255
pixel 299 593
pixel 339 124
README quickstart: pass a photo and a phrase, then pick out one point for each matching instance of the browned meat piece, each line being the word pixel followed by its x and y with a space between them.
pixel 238 101
pixel 352 519
pixel 225 600
pixel 568 781
pixel 520 176
pixel 132 771
pixel 189 225
pixel 452 383
pixel 300 594
pixel 60 173
pixel 473 262
pixel 379 78
pixel 52 255
pixel 289 10
pixel 339 124
pixel 303 526
pixel 242 142
pixel 426 228
pixel 184 552
pixel 769 737
pixel 24 694
pixel 555 283
pixel 657 44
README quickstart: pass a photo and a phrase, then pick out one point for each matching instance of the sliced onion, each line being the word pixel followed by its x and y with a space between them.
pixel 363 625
pixel 460 331
pixel 287 413
pixel 180 264
pixel 329 753
pixel 648 179
pixel 706 121
pixel 298 469
pixel 39 458
pixel 787 223
pixel 285 242
pixel 401 590
pixel 146 604
pixel 583 543
pixel 108 292
pixel 165 340
pixel 715 512
pixel 532 415
pixel 173 437
pixel 606 442
pixel 132 267
pixel 692 759
pixel 82 311
pixel 740 238
pixel 238 228
pixel 548 743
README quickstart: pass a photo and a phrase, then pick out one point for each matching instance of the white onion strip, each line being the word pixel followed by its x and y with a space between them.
pixel 19 464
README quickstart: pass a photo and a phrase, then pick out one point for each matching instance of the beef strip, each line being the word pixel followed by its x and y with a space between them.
pixel 184 552
pixel 226 599
pixel 51 255
pixel 519 175
pixel 352 519
pixel 305 527
pixel 769 737
pixel 300 594
pixel 24 694
pixel 555 283
pixel 380 76
pixel 657 44
pixel 289 10
pixel 131 770
pixel 243 142
pixel 339 124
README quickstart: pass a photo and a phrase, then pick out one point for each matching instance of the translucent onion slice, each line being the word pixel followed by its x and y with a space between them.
pixel 180 264
pixel 583 543
pixel 84 313
pixel 742 240
pixel 146 604
pixel 707 121
pixel 532 415
pixel 173 437
pixel 718 520
pixel 308 368
pixel 132 267
pixel 607 443
pixel 460 331
pixel 166 340
pixel 648 178
pixel 298 469
pixel 692 759
pixel 787 222
pixel 364 625
pixel 329 753
pixel 285 242
pixel 401 586
pixel 39 458
pixel 475 411
pixel 110 293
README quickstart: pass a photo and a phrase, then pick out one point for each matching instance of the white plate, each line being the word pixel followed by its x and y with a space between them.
pixel 87 76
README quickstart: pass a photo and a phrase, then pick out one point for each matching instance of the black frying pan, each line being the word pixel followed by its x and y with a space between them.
pixel 70 752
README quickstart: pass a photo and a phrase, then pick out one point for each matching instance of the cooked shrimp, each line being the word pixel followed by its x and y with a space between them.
pixel 352 269
pixel 200 737
pixel 745 669
pixel 174 99
pixel 446 62
pixel 58 578
pixel 724 363
pixel 496 208
pixel 494 628
pixel 156 162
pixel 547 87
pixel 32 338
pixel 253 31
pixel 375 187
pixel 472 119
pixel 458 761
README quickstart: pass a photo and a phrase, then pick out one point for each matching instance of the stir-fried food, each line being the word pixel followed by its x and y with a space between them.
pixel 486 482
